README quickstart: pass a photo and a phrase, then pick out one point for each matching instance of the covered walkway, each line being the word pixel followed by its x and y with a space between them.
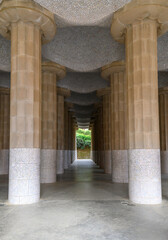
pixel 84 204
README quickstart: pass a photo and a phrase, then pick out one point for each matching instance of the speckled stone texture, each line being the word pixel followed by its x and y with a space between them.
pixel 4 161
pixel 83 49
pixel 164 162
pixel 83 99
pixel 107 161
pixel 24 176
pixel 66 152
pixel 74 155
pixel 60 162
pixel 120 166
pixel 5 79
pixel 78 12
pixel 48 166
pixel 74 81
pixel 69 157
pixel 145 176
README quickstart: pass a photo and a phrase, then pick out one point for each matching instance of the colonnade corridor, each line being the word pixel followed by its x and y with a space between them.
pixel 83 204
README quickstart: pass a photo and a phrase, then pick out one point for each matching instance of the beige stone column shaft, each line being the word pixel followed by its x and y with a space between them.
pixel 28 25
pixel 163 107
pixel 105 93
pixel 60 129
pixel 51 72
pixel 66 126
pixel 115 72
pixel 70 137
pixel 4 130
pixel 60 135
pixel 138 24
pixel 100 138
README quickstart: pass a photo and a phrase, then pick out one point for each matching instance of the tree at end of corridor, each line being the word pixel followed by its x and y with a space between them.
pixel 83 139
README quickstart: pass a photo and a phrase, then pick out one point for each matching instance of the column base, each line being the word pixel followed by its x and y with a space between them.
pixel 119 166
pixel 24 176
pixel 145 176
pixel 66 155
pixel 48 166
pixel 4 161
pixel 164 162
pixel 107 162
pixel 60 162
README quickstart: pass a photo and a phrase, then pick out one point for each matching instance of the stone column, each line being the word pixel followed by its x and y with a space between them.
pixel 66 151
pixel 28 24
pixel 163 107
pixel 105 93
pixel 4 130
pixel 60 129
pixel 100 138
pixel 115 72
pixel 51 72
pixel 139 24
pixel 70 138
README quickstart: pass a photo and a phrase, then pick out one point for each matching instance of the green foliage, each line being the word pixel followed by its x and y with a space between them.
pixel 83 139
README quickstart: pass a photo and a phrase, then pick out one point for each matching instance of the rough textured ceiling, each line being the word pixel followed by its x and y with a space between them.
pixel 83 12
pixel 83 82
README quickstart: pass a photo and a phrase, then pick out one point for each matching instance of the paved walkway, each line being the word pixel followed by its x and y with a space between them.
pixel 83 205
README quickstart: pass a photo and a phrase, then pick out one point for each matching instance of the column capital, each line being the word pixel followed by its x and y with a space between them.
pixel 104 91
pixel 163 90
pixel 106 71
pixel 139 10
pixel 63 92
pixel 13 11
pixel 59 70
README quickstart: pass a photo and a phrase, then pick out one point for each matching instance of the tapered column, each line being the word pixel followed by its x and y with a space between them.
pixel 163 107
pixel 60 135
pixel 50 73
pixel 4 130
pixel 115 72
pixel 61 129
pixel 66 150
pixel 105 93
pixel 25 20
pixel 70 138
pixel 139 23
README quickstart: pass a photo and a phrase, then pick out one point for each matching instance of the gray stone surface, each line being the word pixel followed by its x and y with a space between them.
pixel 120 166
pixel 66 155
pixel 84 109
pixel 83 49
pixel 24 176
pixel 145 176
pixel 164 162
pixel 60 162
pixel 83 99
pixel 163 79
pixel 4 79
pixel 85 13
pixel 83 82
pixel 4 161
pixel 48 166
pixel 108 162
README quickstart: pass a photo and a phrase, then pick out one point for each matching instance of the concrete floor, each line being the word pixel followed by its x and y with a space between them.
pixel 83 205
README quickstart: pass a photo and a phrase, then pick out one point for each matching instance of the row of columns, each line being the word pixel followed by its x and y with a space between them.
pixel 134 101
pixel 137 25
pixel 33 126
pixel 50 160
